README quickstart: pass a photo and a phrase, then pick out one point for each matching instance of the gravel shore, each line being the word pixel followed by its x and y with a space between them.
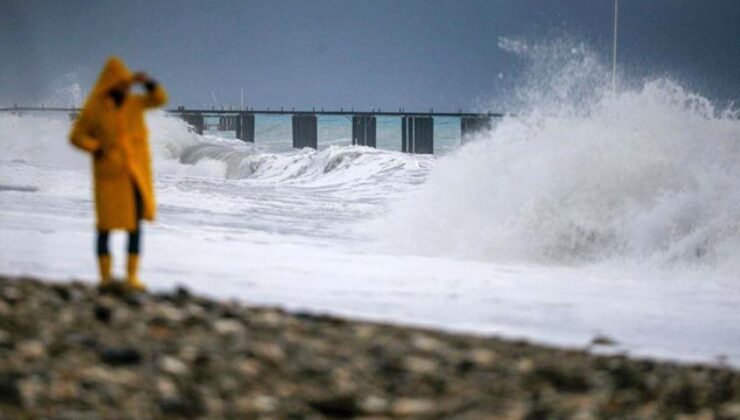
pixel 70 352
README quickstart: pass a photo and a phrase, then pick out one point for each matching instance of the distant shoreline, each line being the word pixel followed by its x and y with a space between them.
pixel 67 351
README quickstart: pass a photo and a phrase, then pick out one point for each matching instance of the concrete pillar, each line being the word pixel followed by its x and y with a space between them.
pixel 245 127
pixel 469 126
pixel 226 123
pixel 417 135
pixel 305 133
pixel 363 130
pixel 73 115
pixel 196 120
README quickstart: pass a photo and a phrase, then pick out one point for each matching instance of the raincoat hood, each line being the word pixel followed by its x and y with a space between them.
pixel 114 72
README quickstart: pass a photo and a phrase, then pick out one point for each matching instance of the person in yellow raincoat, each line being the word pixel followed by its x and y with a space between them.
pixel 112 129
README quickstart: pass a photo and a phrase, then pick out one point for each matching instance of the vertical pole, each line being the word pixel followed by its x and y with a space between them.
pixel 412 135
pixel 404 147
pixel 354 130
pixel 372 139
pixel 614 48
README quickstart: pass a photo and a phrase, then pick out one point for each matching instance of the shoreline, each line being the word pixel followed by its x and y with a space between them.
pixel 68 351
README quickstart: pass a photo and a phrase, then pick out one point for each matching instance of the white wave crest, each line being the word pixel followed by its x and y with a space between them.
pixel 646 175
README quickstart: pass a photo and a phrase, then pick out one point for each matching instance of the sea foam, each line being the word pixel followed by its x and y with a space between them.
pixel 584 175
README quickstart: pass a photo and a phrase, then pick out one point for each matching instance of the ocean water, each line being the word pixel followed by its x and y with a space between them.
pixel 589 213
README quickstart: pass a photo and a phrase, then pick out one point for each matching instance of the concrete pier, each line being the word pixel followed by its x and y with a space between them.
pixel 305 133
pixel 363 130
pixel 245 127
pixel 417 135
pixel 417 128
pixel 469 126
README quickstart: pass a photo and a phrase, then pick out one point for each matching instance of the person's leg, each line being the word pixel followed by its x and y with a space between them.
pixel 134 241
pixel 104 259
pixel 134 246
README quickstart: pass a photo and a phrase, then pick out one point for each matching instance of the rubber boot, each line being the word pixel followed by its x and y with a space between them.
pixel 132 281
pixel 104 264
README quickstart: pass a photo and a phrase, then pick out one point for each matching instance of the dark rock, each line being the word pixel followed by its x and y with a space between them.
pixel 120 356
pixel 626 376
pixel 135 300
pixel 82 340
pixel 63 292
pixel 565 379
pixel 602 340
pixel 182 293
pixel 189 403
pixel 102 313
pixel 113 288
pixel 10 392
pixel 181 406
pixel 343 406
pixel 309 316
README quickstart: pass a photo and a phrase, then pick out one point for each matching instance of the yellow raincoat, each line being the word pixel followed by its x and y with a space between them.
pixel 117 138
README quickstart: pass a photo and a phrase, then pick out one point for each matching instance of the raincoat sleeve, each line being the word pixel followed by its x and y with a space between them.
pixel 81 136
pixel 154 97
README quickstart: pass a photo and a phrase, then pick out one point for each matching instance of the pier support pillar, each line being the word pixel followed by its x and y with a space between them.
pixel 197 121
pixel 417 135
pixel 363 130
pixel 305 132
pixel 469 126
pixel 245 127
pixel 73 115
pixel 227 123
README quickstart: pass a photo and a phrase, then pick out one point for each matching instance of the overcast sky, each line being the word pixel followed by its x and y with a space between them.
pixel 372 53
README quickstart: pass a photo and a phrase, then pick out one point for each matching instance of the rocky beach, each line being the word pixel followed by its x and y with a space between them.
pixel 68 351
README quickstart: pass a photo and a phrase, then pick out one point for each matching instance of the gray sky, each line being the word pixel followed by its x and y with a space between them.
pixel 412 54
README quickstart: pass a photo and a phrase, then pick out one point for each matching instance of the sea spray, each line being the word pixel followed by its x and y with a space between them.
pixel 584 175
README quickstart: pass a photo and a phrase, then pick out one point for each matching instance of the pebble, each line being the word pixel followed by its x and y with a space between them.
pixel 10 294
pixel 30 390
pixel 10 392
pixel 249 367
pixel 64 390
pixel 343 406
pixel 425 343
pixel 412 407
pixel 730 410
pixel 31 350
pixel 373 404
pixel 120 356
pixel 169 313
pixel 268 351
pixel 4 308
pixel 166 388
pixel 173 366
pixel 5 339
pixel 103 313
pixel 483 357
pixel 420 364
pixel 270 318
pixel 228 326
pixel 256 404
